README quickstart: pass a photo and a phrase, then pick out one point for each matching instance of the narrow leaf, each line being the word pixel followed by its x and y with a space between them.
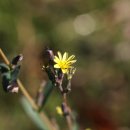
pixel 75 126
pixel 75 123
pixel 45 94
pixel 34 115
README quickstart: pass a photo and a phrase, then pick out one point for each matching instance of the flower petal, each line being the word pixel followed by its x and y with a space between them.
pixel 71 57
pixel 59 54
pixel 71 62
pixel 56 66
pixel 64 70
pixel 56 59
pixel 65 56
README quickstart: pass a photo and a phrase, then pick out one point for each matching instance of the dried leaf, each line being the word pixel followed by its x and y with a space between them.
pixel 16 59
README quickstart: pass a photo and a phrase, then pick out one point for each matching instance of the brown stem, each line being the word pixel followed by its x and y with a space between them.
pixel 28 97
pixel 68 117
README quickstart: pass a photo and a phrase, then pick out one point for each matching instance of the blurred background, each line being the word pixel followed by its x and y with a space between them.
pixel 97 32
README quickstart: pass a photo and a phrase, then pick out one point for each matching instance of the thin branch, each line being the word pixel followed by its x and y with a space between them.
pixel 27 95
pixel 68 117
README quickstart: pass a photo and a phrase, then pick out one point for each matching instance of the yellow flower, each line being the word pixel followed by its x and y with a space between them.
pixel 64 62
pixel 88 129
pixel 59 110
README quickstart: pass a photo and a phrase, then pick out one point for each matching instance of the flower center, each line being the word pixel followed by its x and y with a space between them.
pixel 63 65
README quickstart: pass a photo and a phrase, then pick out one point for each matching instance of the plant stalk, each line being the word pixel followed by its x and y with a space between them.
pixel 27 95
pixel 68 117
